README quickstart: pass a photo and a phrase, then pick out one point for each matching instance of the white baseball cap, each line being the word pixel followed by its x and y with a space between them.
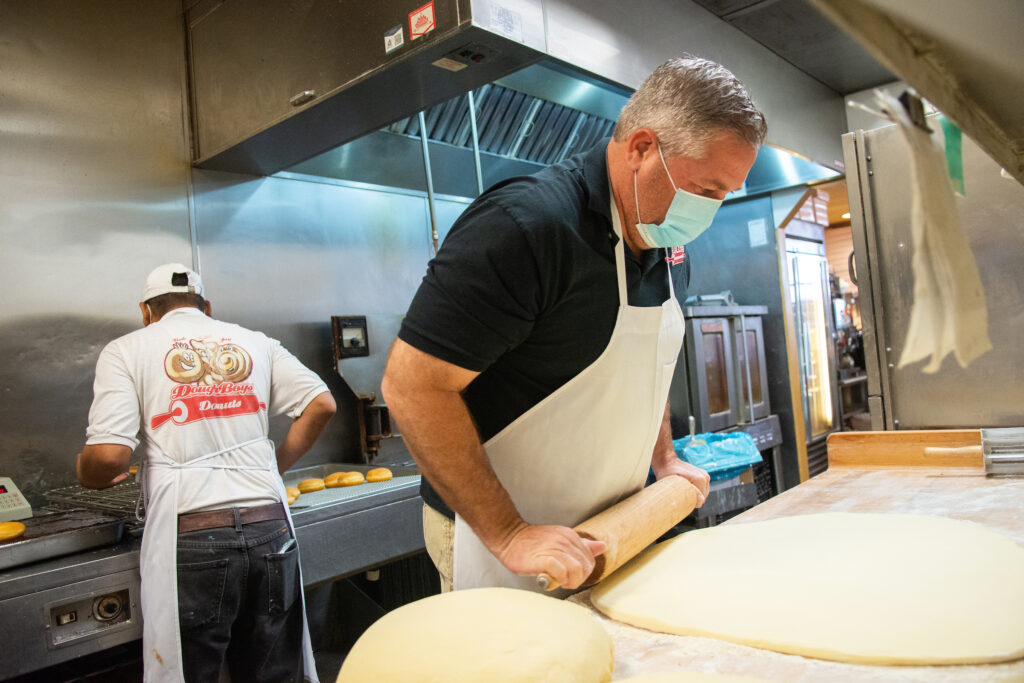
pixel 172 277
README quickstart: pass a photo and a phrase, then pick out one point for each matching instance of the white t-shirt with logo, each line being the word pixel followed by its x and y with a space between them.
pixel 190 385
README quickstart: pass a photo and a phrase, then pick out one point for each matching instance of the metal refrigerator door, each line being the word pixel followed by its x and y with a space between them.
pixel 808 297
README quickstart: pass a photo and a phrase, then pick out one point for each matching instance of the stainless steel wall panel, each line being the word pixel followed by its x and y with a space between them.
pixel 989 392
pixel 96 192
pixel 308 249
pixel 93 194
pixel 284 254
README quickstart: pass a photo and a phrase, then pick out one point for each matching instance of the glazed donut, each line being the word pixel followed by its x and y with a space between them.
pixel 11 530
pixel 350 479
pixel 331 480
pixel 310 485
pixel 378 474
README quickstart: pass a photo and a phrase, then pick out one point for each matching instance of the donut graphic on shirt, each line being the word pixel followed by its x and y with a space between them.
pixel 210 383
pixel 207 362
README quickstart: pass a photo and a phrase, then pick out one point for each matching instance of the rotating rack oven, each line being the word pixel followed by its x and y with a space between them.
pixel 70 586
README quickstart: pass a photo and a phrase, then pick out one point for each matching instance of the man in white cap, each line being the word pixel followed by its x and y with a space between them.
pixel 220 576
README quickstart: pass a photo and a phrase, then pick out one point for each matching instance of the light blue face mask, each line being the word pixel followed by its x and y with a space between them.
pixel 687 217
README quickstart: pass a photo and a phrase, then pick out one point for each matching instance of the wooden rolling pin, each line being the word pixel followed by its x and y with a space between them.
pixel 632 524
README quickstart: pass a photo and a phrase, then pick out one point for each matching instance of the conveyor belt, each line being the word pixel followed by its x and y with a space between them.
pixel 330 496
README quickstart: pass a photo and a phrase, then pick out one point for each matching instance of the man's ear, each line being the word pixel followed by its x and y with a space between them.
pixel 147 314
pixel 207 308
pixel 639 145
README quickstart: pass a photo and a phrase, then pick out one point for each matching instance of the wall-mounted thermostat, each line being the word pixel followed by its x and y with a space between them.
pixel 350 338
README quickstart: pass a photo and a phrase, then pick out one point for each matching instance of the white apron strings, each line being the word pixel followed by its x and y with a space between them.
pixel 158 561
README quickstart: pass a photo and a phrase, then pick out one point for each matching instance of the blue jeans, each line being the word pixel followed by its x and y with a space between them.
pixel 239 603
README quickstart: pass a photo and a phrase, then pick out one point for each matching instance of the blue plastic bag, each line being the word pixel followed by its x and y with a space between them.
pixel 723 457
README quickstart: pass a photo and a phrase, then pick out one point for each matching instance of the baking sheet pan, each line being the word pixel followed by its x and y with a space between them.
pixel 60 533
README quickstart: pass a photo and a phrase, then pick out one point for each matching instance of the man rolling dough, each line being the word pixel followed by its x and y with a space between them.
pixel 531 374
pixel 219 566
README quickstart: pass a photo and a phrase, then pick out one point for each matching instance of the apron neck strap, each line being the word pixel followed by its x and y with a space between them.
pixel 620 248
pixel 620 255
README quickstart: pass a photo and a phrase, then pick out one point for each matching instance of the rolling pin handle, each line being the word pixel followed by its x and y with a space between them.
pixel 546 582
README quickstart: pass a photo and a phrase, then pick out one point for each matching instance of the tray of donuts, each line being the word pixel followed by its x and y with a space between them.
pixel 331 482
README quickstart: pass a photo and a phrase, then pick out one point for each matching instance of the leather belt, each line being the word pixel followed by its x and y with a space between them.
pixel 196 521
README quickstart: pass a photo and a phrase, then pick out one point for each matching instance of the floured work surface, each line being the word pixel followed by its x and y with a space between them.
pixel 955 493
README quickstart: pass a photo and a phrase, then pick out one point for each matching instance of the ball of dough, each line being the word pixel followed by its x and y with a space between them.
pixel 497 635
pixel 310 485
pixel 11 530
pixel 378 474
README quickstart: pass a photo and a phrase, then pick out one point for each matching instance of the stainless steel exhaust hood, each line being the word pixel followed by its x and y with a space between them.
pixel 518 133
pixel 308 86
pixel 525 121
pixel 275 83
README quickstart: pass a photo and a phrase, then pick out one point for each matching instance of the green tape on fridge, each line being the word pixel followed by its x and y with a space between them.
pixel 954 154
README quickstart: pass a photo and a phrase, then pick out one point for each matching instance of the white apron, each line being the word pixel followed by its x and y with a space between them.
pixel 589 444
pixel 161 637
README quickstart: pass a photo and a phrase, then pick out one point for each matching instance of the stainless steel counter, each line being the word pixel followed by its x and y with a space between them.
pixel 67 607
pixel 350 529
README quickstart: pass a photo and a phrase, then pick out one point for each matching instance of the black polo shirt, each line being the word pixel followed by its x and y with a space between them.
pixel 524 290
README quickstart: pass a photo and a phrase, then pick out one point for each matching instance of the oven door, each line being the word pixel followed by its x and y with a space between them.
pixel 710 364
pixel 751 373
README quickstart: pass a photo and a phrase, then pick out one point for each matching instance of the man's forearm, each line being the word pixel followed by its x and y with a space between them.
pixel 442 439
pixel 665 462
pixel 100 466
pixel 305 430
pixel 424 395
pixel 664 452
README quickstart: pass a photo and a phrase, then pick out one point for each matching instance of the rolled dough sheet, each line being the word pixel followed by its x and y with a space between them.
pixel 690 677
pixel 497 635
pixel 862 588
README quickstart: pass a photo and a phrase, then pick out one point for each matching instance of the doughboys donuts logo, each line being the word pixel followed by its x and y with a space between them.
pixel 209 377
pixel 207 362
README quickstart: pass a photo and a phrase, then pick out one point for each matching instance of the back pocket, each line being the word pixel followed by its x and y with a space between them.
pixel 282 580
pixel 201 592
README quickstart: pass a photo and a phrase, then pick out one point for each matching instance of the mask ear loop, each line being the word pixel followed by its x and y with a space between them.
pixel 669 173
pixel 636 194
pixel 636 198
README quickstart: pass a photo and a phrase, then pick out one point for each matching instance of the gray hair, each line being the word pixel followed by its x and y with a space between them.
pixel 686 101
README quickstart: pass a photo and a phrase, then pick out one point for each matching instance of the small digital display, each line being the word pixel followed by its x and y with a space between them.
pixel 3 489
